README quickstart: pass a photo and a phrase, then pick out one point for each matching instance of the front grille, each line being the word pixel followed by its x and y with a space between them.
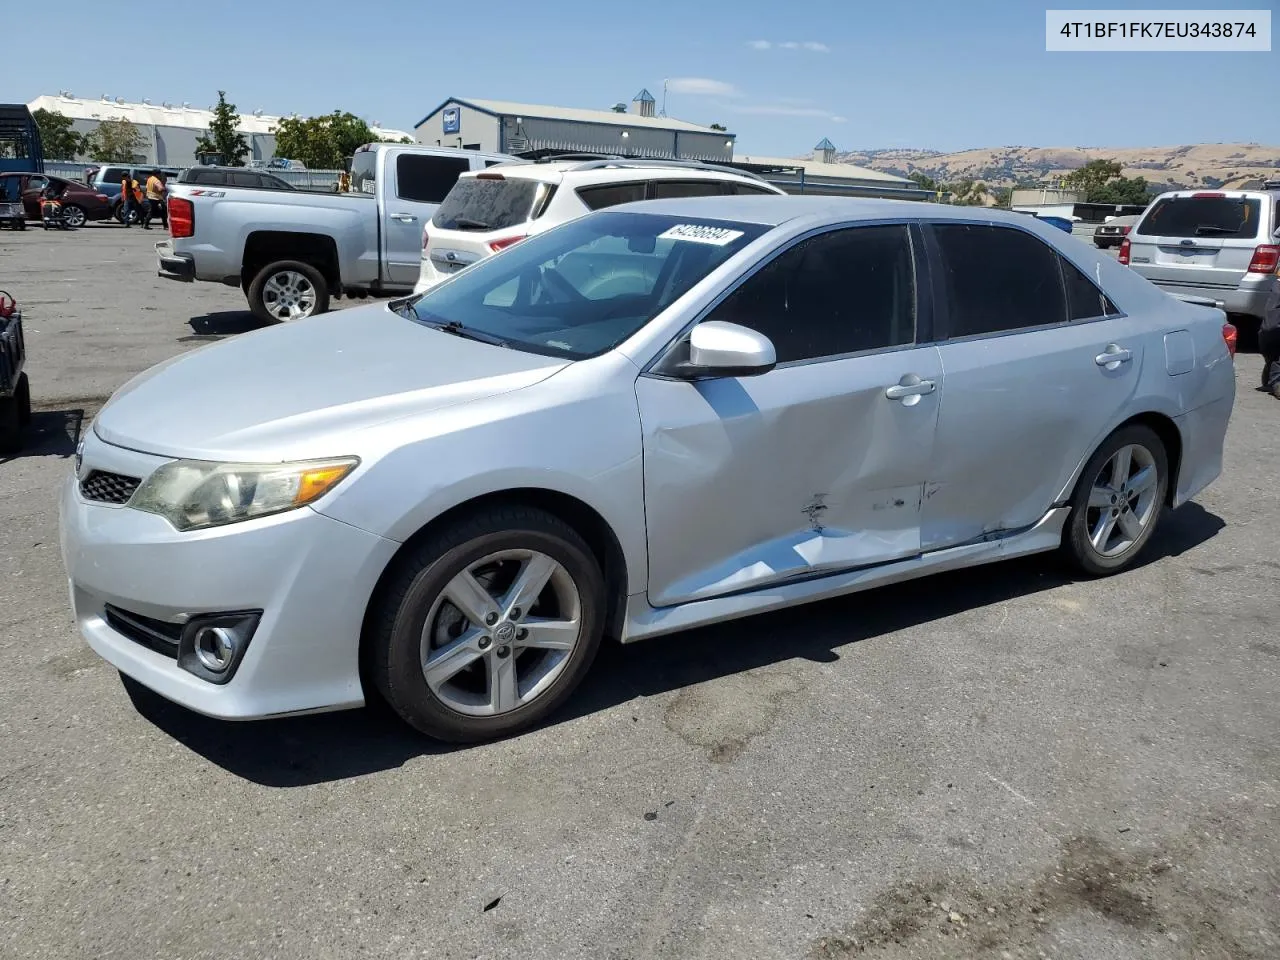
pixel 107 487
pixel 157 635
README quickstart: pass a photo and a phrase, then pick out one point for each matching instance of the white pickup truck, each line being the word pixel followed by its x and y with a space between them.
pixel 292 252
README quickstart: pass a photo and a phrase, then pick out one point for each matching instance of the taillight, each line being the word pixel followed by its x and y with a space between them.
pixel 1124 251
pixel 1265 258
pixel 496 245
pixel 1230 335
pixel 1215 196
pixel 182 217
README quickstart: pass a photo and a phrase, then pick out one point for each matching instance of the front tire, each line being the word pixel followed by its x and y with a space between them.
pixel 488 626
pixel 1118 501
pixel 288 290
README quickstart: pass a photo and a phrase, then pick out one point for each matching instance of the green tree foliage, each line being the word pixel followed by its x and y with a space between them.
pixel 719 126
pixel 60 141
pixel 1100 182
pixel 324 142
pixel 115 141
pixel 224 136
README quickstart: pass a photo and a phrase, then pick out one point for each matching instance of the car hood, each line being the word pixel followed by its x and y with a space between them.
pixel 283 392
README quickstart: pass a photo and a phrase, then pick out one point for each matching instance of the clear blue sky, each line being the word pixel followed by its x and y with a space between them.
pixel 782 76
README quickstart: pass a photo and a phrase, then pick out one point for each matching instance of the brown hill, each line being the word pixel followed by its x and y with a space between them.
pixel 1200 165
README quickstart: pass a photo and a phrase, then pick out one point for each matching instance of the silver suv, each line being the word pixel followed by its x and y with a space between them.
pixel 1223 245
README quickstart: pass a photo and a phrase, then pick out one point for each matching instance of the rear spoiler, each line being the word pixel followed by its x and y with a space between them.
pixel 1200 301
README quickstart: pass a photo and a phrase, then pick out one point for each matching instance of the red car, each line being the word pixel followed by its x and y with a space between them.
pixel 80 203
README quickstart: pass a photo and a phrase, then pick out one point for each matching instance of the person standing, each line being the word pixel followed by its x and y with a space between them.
pixel 154 200
pixel 127 183
pixel 1269 340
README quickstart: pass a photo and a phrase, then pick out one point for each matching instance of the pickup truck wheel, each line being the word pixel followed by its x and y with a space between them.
pixel 286 291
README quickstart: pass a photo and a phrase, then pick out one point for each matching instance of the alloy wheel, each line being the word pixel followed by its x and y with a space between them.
pixel 1122 500
pixel 288 295
pixel 500 632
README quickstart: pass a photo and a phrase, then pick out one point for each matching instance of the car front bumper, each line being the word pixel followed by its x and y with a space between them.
pixel 311 577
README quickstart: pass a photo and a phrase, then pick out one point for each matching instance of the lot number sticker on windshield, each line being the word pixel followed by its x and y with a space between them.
pixel 716 236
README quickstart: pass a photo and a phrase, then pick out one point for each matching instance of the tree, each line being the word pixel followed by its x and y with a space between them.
pixel 60 141
pixel 224 136
pixel 1100 182
pixel 115 141
pixel 324 142
pixel 1091 176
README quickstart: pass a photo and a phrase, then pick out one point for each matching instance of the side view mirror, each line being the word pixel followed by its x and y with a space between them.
pixel 721 349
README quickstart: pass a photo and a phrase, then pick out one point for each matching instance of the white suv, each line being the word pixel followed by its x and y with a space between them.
pixel 489 210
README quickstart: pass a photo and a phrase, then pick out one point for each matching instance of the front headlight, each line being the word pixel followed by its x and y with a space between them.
pixel 192 494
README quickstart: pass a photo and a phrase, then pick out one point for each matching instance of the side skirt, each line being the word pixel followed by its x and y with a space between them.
pixel 645 621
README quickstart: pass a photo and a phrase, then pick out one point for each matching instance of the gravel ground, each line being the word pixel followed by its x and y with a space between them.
pixel 1000 763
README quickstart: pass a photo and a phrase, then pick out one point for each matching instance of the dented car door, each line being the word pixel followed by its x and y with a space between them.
pixel 819 464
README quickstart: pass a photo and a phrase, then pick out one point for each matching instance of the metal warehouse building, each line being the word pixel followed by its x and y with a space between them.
pixel 531 130
pixel 170 130
pixel 822 176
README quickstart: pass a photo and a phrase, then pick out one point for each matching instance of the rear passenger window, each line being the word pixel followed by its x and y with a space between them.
pixel 840 292
pixel 998 279
pixel 246 180
pixel 597 198
pixel 1084 300
pixel 670 189
pixel 426 178
pixel 746 190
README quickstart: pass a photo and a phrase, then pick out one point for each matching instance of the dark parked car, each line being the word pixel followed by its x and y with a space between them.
pixel 234 177
pixel 1113 232
pixel 80 203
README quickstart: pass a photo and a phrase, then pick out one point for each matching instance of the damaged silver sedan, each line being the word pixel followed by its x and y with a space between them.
pixel 658 416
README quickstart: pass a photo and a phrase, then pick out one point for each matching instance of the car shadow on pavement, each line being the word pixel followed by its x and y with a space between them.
pixel 300 751
pixel 51 433
pixel 224 323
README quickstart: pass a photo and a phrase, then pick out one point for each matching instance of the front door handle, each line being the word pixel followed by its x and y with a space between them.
pixel 910 388
pixel 404 217
pixel 1113 356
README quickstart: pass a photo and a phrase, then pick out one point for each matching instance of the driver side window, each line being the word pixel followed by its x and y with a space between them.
pixel 842 292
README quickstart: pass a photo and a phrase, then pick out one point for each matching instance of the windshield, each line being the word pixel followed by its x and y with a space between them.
pixel 582 288
pixel 1232 218
pixel 491 202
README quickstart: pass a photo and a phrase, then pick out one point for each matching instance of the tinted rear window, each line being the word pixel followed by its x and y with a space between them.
pixel 1225 217
pixel 427 178
pixel 482 204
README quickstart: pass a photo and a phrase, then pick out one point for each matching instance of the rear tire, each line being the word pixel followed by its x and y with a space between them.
pixel 1118 502
pixel 74 216
pixel 539 639
pixel 286 291
pixel 10 426
pixel 22 394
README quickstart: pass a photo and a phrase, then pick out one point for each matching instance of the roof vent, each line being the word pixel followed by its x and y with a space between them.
pixel 120 100
pixel 106 98
pixel 825 151
pixel 644 103
pixel 147 101
pixel 619 107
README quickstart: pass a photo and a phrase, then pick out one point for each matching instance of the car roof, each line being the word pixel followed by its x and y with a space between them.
pixel 562 171
pixel 775 210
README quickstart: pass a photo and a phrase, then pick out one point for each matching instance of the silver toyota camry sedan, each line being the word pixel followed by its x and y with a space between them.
pixel 658 416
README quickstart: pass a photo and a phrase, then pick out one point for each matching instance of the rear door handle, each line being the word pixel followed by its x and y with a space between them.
pixel 1113 356
pixel 404 217
pixel 908 387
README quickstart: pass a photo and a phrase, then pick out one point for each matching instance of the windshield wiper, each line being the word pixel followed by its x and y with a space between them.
pixel 466 223
pixel 461 330
pixel 1204 228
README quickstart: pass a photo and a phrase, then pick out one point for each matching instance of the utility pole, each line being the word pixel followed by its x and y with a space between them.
pixel 664 97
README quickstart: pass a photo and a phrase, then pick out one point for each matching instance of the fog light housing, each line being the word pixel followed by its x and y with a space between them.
pixel 213 645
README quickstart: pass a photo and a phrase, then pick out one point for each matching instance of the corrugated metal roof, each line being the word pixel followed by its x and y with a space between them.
pixel 161 115
pixel 507 108
pixel 816 168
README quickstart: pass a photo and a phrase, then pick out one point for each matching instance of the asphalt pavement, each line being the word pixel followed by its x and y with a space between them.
pixel 998 763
